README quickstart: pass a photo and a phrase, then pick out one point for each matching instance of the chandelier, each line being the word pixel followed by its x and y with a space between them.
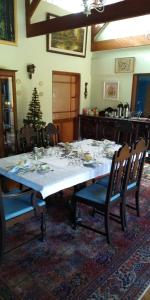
pixel 98 5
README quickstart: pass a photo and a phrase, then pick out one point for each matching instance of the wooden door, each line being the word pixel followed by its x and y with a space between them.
pixel 65 104
pixel 8 113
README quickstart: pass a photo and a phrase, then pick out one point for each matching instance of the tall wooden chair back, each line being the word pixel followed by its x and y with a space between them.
pixel 135 169
pixel 27 139
pixel 125 130
pixel 50 135
pixel 118 173
pixel 108 130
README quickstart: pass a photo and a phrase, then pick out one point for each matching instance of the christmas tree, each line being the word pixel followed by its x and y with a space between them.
pixel 34 115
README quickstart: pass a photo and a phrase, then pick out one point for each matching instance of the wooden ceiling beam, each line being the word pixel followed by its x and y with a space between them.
pixel 117 11
pixel 30 9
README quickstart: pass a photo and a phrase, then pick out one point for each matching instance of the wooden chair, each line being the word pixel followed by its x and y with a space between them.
pixel 102 198
pixel 108 130
pixel 27 139
pixel 17 205
pixel 125 130
pixel 134 174
pixel 50 135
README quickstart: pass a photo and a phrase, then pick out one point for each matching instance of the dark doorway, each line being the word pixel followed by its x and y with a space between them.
pixel 140 102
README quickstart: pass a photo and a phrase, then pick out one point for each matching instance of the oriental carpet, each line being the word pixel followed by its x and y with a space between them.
pixel 78 265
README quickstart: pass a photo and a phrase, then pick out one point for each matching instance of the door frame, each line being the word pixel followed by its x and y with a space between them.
pixel 60 121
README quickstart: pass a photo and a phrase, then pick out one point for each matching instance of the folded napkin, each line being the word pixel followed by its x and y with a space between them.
pixel 21 165
pixel 108 142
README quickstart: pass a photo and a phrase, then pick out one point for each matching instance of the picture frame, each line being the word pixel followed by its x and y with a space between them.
pixel 68 42
pixel 8 27
pixel 124 64
pixel 111 90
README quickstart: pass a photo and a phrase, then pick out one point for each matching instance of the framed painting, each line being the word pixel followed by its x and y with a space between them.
pixel 111 90
pixel 69 42
pixel 8 22
pixel 124 65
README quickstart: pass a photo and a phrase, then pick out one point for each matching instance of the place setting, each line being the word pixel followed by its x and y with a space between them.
pixel 26 166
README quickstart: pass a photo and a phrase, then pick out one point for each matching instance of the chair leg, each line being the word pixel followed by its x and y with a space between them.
pixel 74 214
pixel 123 216
pixel 93 212
pixel 43 226
pixel 137 203
pixel 107 226
pixel 2 237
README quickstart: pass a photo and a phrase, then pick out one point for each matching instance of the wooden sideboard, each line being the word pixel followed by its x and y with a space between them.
pixel 118 129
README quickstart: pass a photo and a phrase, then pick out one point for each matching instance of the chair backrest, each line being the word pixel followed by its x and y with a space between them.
pixel 50 135
pixel 125 130
pixel 108 130
pixel 27 139
pixel 2 225
pixel 118 173
pixel 138 152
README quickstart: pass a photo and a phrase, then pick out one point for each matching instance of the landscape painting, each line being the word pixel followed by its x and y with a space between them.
pixel 8 22
pixel 71 42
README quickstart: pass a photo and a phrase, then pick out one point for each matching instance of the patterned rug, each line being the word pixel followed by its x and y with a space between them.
pixel 146 171
pixel 78 265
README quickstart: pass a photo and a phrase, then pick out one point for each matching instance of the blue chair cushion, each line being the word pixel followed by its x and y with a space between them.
pixel 14 207
pixel 95 193
pixel 103 181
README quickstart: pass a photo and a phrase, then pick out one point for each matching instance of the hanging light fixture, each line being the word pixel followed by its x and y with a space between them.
pixel 98 5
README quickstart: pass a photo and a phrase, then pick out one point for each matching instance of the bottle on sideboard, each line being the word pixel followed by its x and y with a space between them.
pixel 126 110
pixel 120 110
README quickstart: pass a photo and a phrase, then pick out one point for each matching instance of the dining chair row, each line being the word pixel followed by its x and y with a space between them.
pixel 28 137
pixel 112 190
pixel 21 203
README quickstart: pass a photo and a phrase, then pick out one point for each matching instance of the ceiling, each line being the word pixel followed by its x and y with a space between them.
pixel 112 12
pixel 75 6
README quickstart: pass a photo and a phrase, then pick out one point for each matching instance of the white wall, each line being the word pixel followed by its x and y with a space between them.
pixel 103 69
pixel 33 51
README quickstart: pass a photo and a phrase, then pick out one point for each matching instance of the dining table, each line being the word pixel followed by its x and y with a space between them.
pixel 54 169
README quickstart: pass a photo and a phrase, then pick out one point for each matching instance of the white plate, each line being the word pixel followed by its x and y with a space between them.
pixel 61 144
pixel 91 163
pixel 45 170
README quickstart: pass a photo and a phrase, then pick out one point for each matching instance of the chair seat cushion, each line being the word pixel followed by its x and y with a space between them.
pixel 14 207
pixel 95 193
pixel 103 181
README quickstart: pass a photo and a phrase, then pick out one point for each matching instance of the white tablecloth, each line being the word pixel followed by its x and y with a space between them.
pixel 62 174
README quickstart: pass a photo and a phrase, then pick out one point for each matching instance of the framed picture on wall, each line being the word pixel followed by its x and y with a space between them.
pixel 69 42
pixel 124 64
pixel 111 90
pixel 8 33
